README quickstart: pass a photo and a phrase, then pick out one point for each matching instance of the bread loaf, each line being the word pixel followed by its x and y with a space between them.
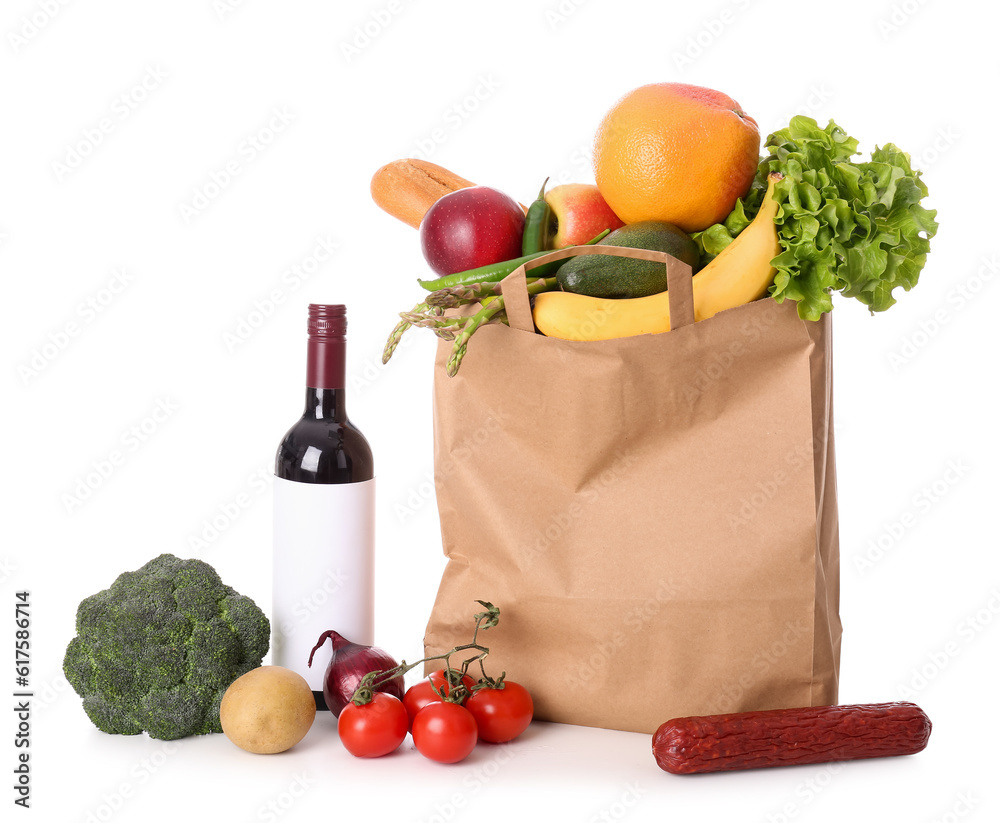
pixel 407 188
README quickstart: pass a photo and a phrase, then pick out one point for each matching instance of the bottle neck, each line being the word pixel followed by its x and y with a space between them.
pixel 325 379
pixel 325 362
pixel 325 404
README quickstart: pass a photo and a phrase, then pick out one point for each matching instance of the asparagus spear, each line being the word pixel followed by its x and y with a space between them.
pixel 461 295
pixel 443 327
pixel 430 315
pixel 397 332
pixel 485 315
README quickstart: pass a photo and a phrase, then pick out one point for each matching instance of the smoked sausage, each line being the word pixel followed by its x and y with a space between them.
pixel 783 737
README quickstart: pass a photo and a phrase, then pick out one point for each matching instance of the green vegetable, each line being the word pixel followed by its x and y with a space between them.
pixel 496 272
pixel 157 650
pixel 398 330
pixel 482 293
pixel 537 225
pixel 601 275
pixel 847 226
pixel 460 328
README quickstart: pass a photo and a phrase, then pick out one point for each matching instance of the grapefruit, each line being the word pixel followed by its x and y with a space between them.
pixel 676 153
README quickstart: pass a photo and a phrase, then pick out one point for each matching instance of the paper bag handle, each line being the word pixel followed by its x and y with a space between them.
pixel 680 291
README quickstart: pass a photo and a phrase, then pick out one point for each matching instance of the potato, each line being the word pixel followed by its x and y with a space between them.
pixel 267 710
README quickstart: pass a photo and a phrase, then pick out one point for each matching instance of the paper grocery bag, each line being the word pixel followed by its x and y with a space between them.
pixel 656 516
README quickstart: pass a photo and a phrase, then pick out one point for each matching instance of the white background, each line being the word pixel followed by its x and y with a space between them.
pixel 504 94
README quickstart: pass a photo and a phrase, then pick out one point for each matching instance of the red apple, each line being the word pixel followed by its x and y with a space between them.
pixel 469 228
pixel 581 214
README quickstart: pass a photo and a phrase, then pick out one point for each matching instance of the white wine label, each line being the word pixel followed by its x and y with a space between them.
pixel 324 557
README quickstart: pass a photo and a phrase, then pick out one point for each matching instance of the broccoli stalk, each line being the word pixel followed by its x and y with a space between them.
pixel 157 650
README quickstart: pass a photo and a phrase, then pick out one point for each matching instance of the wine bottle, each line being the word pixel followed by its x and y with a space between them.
pixel 324 514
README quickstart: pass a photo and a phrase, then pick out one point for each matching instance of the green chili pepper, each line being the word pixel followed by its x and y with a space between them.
pixel 537 225
pixel 496 272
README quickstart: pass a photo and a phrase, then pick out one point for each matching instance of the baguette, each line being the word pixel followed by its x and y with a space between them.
pixel 406 189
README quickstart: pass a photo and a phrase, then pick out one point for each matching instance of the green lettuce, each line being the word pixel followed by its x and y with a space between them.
pixel 853 227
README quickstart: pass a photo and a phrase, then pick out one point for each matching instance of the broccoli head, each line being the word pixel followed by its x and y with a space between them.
pixel 157 650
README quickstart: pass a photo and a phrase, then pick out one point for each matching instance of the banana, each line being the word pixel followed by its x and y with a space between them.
pixel 741 273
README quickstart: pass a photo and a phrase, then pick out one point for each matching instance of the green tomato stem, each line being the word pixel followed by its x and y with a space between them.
pixel 457 693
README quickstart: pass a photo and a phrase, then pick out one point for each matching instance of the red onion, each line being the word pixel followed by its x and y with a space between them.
pixel 349 663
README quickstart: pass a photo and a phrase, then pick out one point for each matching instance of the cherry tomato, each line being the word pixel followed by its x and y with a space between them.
pixel 501 714
pixel 445 732
pixel 418 696
pixel 374 729
pixel 422 693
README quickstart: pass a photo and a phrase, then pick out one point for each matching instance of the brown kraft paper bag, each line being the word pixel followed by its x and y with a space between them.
pixel 655 516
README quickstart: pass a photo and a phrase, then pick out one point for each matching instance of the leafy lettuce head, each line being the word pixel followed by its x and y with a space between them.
pixel 853 227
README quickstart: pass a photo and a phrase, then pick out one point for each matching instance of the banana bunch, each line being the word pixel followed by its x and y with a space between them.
pixel 741 273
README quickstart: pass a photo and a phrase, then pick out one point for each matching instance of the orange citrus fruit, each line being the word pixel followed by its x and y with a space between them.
pixel 674 152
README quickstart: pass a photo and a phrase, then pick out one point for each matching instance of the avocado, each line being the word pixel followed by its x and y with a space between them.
pixel 600 275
